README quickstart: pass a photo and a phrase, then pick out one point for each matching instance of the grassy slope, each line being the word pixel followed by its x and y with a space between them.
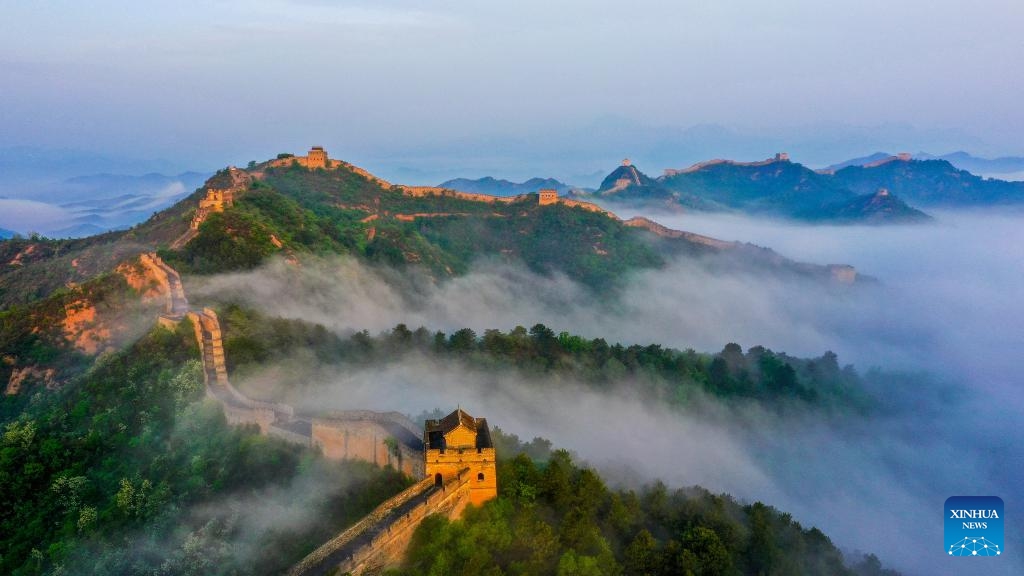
pixel 323 211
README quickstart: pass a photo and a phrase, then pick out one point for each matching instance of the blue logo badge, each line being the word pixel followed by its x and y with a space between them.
pixel 974 526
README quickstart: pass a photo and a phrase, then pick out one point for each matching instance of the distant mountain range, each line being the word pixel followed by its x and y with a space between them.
pixel 983 166
pixel 91 204
pixel 496 187
pixel 48 164
pixel 930 183
pixel 774 187
pixel 874 189
pixel 862 161
pixel 843 192
pixel 5 233
pixel 961 160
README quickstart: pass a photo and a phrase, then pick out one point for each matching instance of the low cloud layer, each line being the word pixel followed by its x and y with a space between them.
pixel 949 304
pixel 25 216
pixel 69 209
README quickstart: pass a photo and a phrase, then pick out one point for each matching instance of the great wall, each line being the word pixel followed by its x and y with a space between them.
pixel 453 457
pixel 779 157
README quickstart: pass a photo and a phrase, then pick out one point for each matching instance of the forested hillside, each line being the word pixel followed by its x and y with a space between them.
pixel 555 516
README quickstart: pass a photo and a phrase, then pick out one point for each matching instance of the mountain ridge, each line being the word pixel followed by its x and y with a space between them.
pixel 841 194
pixel 289 210
pixel 501 187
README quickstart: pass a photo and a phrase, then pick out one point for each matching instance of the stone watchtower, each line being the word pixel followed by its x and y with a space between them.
pixel 317 158
pixel 459 445
pixel 547 196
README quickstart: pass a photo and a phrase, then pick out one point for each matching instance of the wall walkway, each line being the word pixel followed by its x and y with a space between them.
pixel 379 541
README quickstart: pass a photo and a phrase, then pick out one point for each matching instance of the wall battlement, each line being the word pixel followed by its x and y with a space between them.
pixel 379 540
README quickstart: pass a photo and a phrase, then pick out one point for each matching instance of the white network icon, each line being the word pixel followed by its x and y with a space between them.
pixel 975 547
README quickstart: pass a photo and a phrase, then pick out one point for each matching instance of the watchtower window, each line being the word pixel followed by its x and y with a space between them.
pixel 480 477
pixel 438 479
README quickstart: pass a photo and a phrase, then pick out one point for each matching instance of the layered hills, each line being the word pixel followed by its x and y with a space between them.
pixel 960 159
pixel 930 183
pixel 282 208
pixel 781 188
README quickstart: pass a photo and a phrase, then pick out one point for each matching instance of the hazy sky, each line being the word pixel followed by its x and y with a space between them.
pixel 389 82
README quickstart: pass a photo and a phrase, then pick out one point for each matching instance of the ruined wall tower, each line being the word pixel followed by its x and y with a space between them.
pixel 459 445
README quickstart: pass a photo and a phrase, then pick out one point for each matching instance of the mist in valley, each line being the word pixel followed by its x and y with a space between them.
pixel 945 314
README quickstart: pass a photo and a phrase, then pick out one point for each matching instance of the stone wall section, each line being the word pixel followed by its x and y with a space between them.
pixel 215 200
pixel 658 229
pixel 379 541
pixel 383 438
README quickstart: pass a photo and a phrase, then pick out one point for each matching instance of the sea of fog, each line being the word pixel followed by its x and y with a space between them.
pixel 947 311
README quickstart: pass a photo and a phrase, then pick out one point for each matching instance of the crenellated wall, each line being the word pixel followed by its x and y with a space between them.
pixel 379 541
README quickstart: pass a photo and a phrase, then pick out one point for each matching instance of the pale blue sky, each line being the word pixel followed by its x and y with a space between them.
pixel 390 82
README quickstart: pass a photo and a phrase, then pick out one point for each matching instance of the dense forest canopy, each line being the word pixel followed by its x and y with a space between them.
pixel 555 516
pixel 127 470
pixel 252 341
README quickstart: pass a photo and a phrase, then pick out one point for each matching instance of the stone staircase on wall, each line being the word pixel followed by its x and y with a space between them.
pixel 273 418
pixel 276 418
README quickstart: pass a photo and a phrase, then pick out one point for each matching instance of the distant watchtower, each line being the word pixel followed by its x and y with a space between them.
pixel 626 162
pixel 317 158
pixel 547 196
pixel 782 156
pixel 459 444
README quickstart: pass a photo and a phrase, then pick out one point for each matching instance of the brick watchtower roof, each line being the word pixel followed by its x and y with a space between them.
pixel 436 429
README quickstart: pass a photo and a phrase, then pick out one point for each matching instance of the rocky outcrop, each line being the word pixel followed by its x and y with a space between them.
pixel 153 278
pixel 20 376
pixel 84 329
